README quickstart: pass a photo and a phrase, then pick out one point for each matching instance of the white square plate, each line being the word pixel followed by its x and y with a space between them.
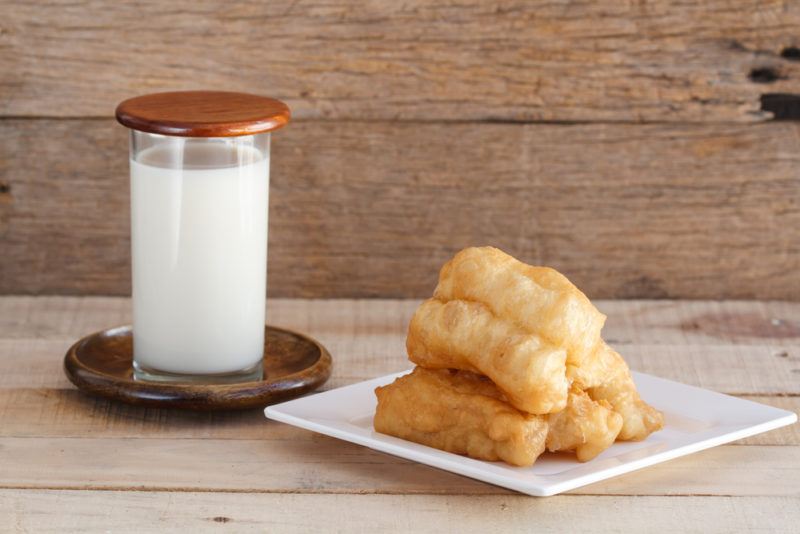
pixel 695 419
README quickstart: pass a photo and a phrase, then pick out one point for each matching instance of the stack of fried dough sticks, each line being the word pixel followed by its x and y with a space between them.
pixel 509 362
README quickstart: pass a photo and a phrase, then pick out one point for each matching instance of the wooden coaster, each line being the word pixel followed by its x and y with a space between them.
pixel 102 364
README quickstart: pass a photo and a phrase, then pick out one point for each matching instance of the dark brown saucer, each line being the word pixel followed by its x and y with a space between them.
pixel 102 364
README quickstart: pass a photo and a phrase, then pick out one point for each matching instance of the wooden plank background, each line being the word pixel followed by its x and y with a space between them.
pixel 623 143
pixel 415 60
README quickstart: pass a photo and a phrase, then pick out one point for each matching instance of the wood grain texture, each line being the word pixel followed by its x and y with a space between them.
pixel 670 195
pixel 68 413
pixel 766 324
pixel 374 209
pixel 413 60
pixel 56 511
pixel 54 437
pixel 745 348
pixel 293 364
pixel 738 370
pixel 328 465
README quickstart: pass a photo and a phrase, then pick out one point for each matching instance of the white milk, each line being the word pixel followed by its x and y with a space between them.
pixel 199 245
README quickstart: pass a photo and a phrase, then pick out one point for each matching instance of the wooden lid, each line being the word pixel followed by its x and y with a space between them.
pixel 203 113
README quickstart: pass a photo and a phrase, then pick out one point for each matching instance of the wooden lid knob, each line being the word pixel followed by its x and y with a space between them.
pixel 203 113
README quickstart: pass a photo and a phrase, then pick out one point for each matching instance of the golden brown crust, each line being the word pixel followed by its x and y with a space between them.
pixel 538 299
pixel 467 335
pixel 584 426
pixel 616 386
pixel 542 301
pixel 536 338
pixel 459 412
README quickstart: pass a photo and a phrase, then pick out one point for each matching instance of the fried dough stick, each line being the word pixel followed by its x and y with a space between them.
pixel 606 377
pixel 460 412
pixel 539 300
pixel 467 335
pixel 584 426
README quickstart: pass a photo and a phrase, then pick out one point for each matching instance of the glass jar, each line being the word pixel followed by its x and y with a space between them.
pixel 199 177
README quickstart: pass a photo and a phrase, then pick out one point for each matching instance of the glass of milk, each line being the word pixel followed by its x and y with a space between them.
pixel 199 212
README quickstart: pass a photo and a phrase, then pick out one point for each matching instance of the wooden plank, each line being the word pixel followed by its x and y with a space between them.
pixel 736 370
pixel 29 363
pixel 47 413
pixel 775 324
pixel 131 511
pixel 61 317
pixel 646 322
pixel 521 61
pixel 55 437
pixel 374 209
pixel 740 370
pixel 367 339
pixel 328 465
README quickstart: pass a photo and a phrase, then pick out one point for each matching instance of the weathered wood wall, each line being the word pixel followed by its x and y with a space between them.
pixel 621 142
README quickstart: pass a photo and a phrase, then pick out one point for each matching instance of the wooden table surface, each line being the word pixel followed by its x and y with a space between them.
pixel 68 460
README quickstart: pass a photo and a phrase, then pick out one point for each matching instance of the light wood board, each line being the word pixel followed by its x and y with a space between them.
pixel 413 60
pixel 133 511
pixel 373 209
pixel 64 452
